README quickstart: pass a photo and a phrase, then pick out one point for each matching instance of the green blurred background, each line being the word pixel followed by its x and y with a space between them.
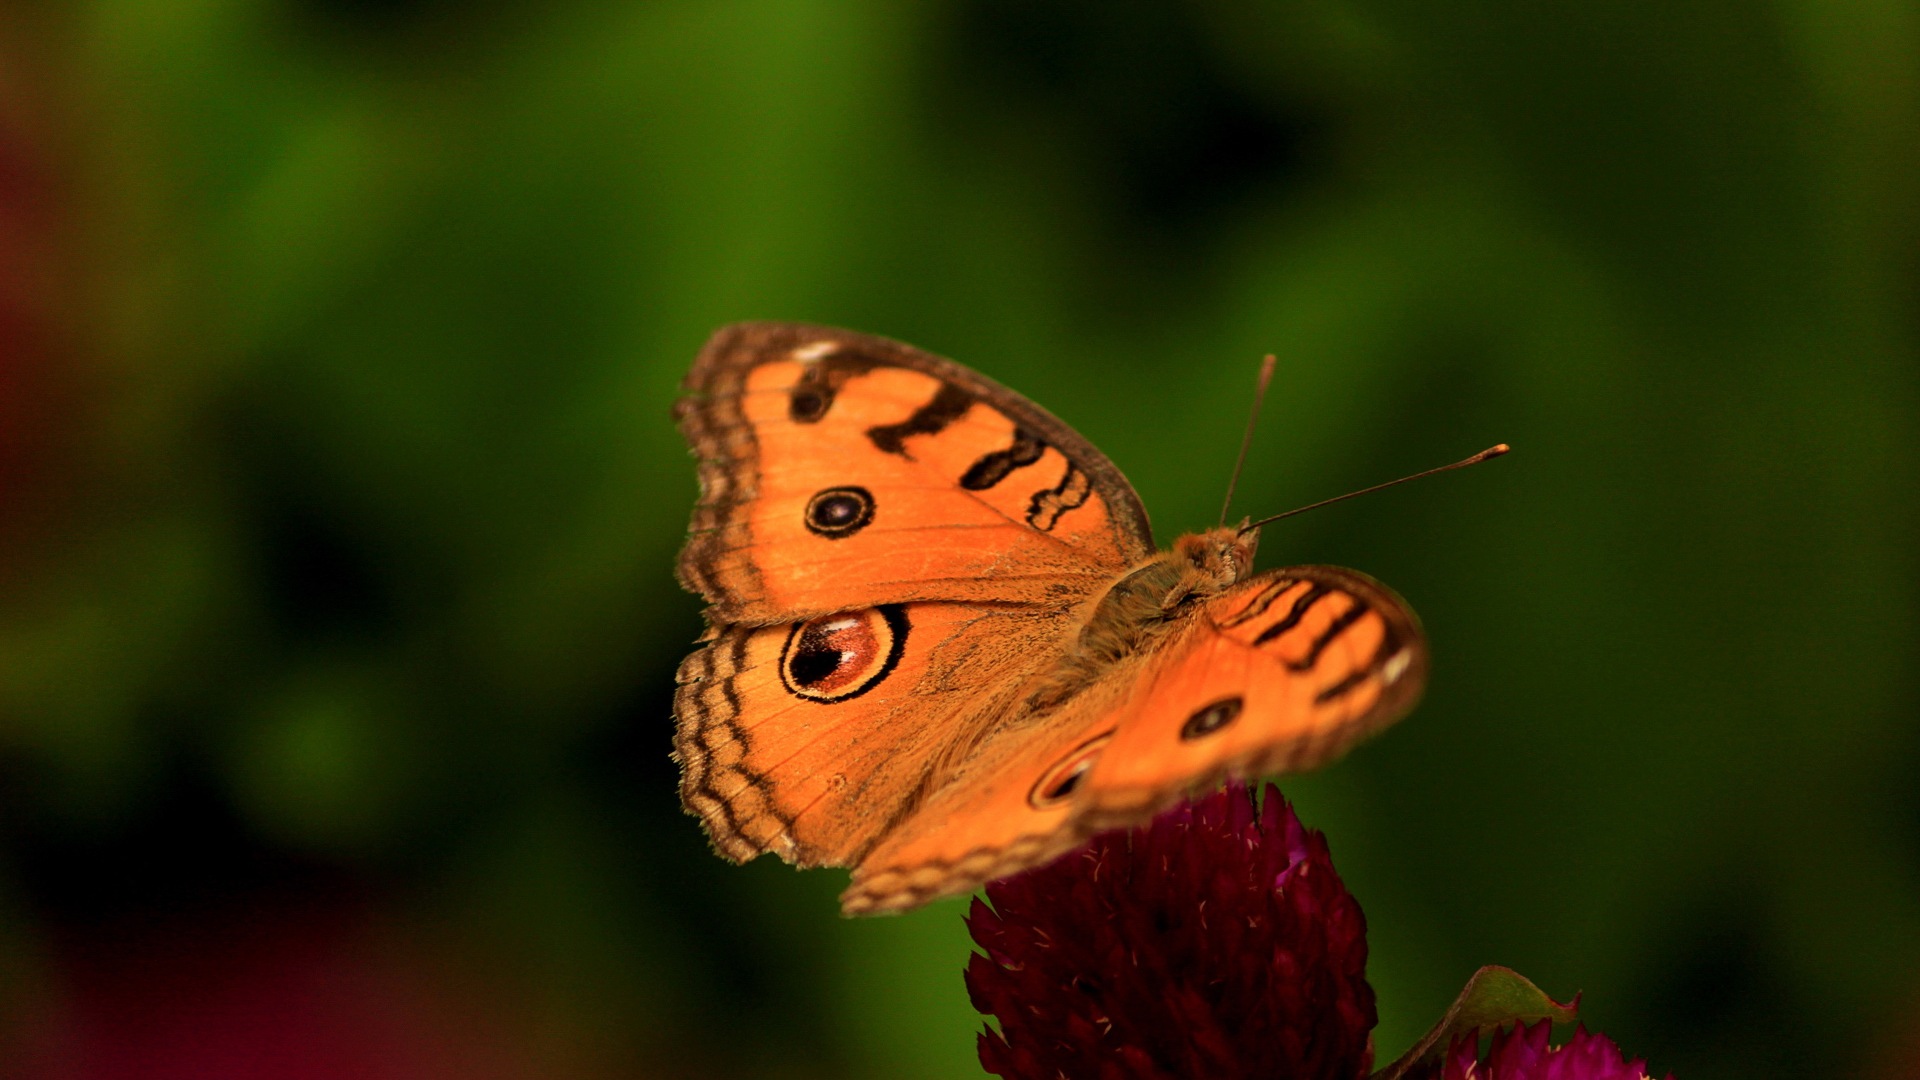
pixel 338 497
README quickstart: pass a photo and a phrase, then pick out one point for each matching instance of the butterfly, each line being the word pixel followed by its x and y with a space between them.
pixel 941 644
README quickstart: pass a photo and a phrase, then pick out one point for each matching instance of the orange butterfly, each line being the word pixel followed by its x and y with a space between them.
pixel 941 644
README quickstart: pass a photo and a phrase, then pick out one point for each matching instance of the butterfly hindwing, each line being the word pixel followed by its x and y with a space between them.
pixel 810 739
pixel 1010 804
pixel 844 471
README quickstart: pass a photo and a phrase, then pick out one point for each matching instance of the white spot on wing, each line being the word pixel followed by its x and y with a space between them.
pixel 1395 666
pixel 814 350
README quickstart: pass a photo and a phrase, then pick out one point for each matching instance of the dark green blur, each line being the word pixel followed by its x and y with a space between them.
pixel 339 498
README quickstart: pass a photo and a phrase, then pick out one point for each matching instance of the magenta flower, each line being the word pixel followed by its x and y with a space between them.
pixel 1522 1053
pixel 1216 942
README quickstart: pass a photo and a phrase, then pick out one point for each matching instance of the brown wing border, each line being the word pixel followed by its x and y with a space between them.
pixel 709 416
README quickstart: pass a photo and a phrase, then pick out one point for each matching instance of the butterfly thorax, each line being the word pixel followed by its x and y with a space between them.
pixel 1144 604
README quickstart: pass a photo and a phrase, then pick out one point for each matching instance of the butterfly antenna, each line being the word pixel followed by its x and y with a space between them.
pixel 1253 417
pixel 1488 454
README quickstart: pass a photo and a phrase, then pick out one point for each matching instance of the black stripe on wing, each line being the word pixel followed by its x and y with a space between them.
pixel 1297 600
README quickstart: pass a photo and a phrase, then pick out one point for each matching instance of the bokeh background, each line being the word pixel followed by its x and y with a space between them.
pixel 338 495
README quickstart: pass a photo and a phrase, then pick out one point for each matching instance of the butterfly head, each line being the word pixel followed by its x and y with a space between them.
pixel 1220 558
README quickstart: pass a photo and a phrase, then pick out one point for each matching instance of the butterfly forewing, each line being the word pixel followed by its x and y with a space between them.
pixel 1282 674
pixel 841 471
